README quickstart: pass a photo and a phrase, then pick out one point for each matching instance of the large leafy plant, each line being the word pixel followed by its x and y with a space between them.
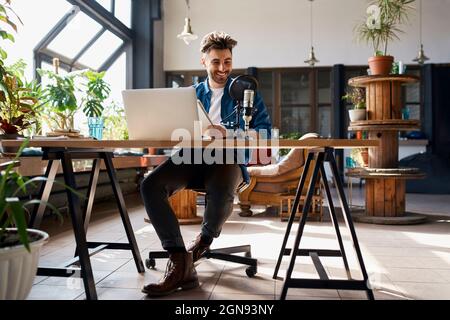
pixel 97 92
pixel 382 23
pixel 60 101
pixel 18 102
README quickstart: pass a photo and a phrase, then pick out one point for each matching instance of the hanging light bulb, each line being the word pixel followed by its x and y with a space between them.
pixel 187 35
pixel 421 57
pixel 312 57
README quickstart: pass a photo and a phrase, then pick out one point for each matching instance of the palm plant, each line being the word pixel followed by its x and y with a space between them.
pixel 382 23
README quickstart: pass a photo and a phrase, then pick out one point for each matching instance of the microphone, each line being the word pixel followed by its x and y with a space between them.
pixel 249 98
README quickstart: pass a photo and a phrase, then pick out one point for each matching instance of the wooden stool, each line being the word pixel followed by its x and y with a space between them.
pixel 184 204
pixel 287 201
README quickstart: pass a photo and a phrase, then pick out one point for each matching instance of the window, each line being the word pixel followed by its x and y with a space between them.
pixel 80 30
pixel 101 50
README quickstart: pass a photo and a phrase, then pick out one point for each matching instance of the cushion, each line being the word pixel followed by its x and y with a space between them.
pixel 293 160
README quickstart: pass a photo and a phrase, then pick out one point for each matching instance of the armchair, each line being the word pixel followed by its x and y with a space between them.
pixel 274 185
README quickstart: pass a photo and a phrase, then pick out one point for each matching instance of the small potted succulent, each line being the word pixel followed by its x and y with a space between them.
pixel 381 26
pixel 357 97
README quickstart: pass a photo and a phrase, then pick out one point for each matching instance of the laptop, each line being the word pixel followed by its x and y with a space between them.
pixel 156 114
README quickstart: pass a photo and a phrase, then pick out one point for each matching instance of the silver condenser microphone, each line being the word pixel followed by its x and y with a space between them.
pixel 249 97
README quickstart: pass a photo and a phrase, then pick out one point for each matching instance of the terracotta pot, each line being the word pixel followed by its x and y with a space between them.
pixel 381 65
pixel 365 157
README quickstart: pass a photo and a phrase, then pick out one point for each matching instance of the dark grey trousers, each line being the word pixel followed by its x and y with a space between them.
pixel 219 181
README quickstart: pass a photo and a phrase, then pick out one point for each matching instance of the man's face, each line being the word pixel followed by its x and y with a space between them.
pixel 218 64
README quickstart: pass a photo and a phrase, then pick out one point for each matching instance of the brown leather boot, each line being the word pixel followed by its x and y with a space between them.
pixel 180 275
pixel 197 247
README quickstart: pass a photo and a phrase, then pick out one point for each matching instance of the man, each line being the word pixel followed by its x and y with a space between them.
pixel 219 180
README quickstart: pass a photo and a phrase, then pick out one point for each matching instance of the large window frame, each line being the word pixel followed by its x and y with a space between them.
pixel 108 22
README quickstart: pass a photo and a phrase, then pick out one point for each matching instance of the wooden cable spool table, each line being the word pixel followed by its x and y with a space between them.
pixel 385 189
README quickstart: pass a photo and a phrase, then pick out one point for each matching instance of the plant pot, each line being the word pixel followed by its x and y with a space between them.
pixel 381 65
pixel 357 114
pixel 9 136
pixel 18 267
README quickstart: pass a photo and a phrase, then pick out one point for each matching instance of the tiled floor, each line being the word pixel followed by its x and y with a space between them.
pixel 403 262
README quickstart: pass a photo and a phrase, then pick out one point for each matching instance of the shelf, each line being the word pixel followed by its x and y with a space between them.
pixel 402 173
pixel 363 81
pixel 385 125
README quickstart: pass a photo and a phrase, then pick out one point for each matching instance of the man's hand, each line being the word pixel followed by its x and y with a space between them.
pixel 216 132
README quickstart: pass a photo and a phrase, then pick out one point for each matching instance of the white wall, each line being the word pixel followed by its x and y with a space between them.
pixel 275 33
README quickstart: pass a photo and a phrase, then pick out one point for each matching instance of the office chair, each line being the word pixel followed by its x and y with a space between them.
pixel 224 254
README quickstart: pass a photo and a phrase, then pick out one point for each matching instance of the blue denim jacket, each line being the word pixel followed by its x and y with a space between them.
pixel 261 119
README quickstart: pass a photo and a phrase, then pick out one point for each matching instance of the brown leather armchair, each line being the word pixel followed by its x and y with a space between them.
pixel 272 183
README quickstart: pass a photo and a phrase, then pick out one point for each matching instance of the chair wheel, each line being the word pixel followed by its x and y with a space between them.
pixel 150 263
pixel 251 271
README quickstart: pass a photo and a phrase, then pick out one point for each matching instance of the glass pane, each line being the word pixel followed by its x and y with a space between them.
pixel 106 4
pixel 295 119
pixel 324 86
pixel 123 12
pixel 294 88
pixel 75 36
pixel 116 76
pixel 325 121
pixel 413 93
pixel 35 27
pixel 101 50
pixel 414 111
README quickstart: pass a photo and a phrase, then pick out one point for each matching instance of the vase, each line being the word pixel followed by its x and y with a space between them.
pixel 95 125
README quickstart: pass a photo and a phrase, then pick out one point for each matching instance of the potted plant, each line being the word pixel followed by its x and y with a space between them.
pixel 19 247
pixel 60 102
pixel 360 156
pixel 380 27
pixel 357 97
pixel 17 105
pixel 97 92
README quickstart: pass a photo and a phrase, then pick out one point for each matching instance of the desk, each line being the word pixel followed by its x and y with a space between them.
pixel 321 150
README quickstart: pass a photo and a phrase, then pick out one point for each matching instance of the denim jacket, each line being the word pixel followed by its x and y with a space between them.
pixel 261 119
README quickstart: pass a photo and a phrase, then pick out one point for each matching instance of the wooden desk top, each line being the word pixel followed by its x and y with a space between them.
pixel 228 144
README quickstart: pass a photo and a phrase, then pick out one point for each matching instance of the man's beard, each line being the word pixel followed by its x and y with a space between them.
pixel 219 79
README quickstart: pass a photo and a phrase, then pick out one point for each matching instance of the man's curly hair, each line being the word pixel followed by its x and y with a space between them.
pixel 217 40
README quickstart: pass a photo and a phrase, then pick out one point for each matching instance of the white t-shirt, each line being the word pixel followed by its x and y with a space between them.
pixel 216 106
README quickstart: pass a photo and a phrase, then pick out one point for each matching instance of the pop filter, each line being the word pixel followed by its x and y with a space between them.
pixel 240 84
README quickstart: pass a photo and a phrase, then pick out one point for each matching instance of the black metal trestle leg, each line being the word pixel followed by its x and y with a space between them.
pixel 78 228
pixel 107 158
pixel 80 221
pixel 320 156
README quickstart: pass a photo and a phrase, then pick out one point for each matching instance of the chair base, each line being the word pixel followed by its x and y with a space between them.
pixel 224 254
